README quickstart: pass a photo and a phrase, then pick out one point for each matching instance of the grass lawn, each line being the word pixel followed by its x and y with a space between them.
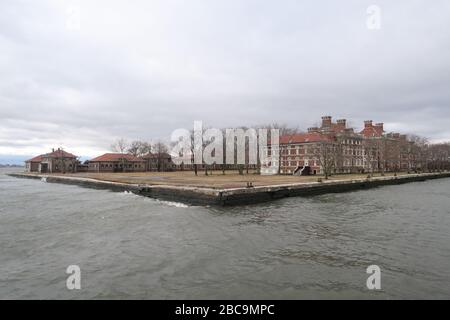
pixel 217 180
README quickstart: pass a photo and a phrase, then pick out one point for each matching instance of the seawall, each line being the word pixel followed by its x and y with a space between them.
pixel 236 196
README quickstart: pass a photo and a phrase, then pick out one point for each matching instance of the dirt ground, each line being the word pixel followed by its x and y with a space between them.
pixel 216 180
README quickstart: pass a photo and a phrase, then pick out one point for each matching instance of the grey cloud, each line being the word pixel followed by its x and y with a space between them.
pixel 147 68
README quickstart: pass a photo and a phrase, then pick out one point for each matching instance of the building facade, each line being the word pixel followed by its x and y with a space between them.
pixel 335 145
pixel 57 161
pixel 116 162
pixel 298 153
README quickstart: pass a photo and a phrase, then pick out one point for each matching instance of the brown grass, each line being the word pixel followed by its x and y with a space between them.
pixel 217 180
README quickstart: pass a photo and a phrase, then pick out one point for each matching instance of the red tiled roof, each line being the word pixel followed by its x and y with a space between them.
pixel 373 131
pixel 116 157
pixel 54 154
pixel 59 154
pixel 35 159
pixel 303 138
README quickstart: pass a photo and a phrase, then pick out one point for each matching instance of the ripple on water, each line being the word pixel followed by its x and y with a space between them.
pixel 130 246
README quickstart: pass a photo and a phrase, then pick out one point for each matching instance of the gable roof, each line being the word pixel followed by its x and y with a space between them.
pixel 35 159
pixel 116 157
pixel 54 154
pixel 59 154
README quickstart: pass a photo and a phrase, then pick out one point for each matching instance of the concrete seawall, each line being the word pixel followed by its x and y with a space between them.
pixel 236 196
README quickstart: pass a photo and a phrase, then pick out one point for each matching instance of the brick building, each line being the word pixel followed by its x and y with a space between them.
pixel 349 157
pixel 389 152
pixel 116 162
pixel 57 161
pixel 298 153
pixel 369 150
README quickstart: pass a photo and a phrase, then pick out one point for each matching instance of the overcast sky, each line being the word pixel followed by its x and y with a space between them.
pixel 80 74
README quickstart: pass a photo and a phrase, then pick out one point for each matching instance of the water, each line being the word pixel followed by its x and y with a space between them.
pixel 131 247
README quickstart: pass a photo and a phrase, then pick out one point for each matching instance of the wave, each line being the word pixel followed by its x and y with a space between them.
pixel 128 193
pixel 172 203
pixel 163 202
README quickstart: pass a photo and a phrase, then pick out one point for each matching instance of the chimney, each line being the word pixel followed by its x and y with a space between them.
pixel 380 126
pixel 368 123
pixel 342 123
pixel 313 130
pixel 53 149
pixel 326 122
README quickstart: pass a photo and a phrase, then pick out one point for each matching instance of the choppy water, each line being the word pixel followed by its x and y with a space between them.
pixel 133 247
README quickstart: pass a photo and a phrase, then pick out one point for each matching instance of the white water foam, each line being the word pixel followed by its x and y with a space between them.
pixel 163 202
pixel 172 203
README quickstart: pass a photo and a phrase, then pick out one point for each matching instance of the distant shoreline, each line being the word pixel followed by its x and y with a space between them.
pixel 235 196
pixel 11 166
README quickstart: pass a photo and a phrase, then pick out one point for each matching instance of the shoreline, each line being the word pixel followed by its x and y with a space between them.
pixel 235 196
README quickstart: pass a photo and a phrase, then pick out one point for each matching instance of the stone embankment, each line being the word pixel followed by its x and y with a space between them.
pixel 236 196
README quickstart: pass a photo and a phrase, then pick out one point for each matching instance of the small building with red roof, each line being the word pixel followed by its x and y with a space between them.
pixel 32 165
pixel 117 162
pixel 57 161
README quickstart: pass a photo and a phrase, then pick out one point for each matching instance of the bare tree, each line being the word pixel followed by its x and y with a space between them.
pixel 439 156
pixel 224 146
pixel 380 144
pixel 133 149
pixel 139 148
pixel 160 151
pixel 284 128
pixel 371 154
pixel 327 152
pixel 197 135
pixel 421 151
pixel 120 146
pixel 375 153
pixel 392 156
